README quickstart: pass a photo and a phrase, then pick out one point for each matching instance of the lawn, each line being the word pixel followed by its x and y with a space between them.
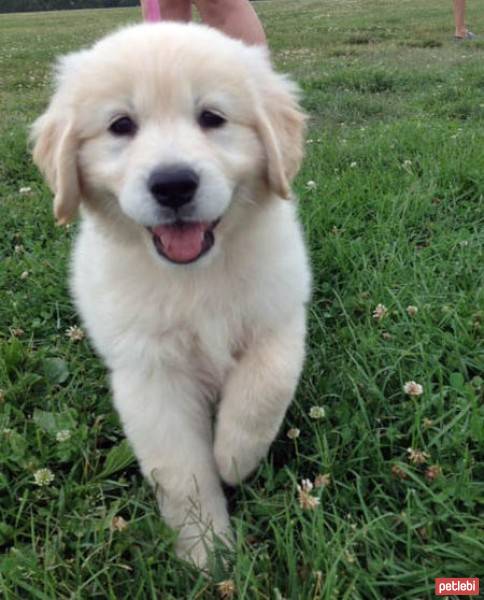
pixel 391 197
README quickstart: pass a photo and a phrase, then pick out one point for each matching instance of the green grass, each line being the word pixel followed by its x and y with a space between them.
pixel 395 148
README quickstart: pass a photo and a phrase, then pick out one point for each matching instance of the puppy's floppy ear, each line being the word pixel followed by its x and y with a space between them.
pixel 56 145
pixel 280 124
pixel 55 150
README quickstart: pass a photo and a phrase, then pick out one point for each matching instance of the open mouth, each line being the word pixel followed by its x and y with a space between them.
pixel 183 242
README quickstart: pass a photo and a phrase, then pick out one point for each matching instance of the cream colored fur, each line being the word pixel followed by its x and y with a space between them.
pixel 223 337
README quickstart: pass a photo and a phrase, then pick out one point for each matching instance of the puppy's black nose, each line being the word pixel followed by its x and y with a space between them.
pixel 173 186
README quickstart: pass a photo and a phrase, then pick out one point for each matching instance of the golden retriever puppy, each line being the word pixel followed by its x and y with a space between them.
pixel 190 272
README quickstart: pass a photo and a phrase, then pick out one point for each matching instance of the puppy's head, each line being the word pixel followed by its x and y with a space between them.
pixel 164 128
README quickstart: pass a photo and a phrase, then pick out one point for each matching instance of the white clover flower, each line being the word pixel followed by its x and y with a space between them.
pixel 417 457
pixel 433 472
pixel 353 164
pixel 411 388
pixel 407 164
pixel 317 412
pixel 293 433
pixel 306 501
pixel 398 472
pixel 118 523
pixel 75 333
pixel 311 185
pixel 24 275
pixel 43 477
pixel 25 190
pixel 380 312
pixel 306 485
pixel 322 481
pixel 63 435
pixel 226 589
pixel 412 310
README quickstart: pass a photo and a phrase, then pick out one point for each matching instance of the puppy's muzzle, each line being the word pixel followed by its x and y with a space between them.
pixel 172 187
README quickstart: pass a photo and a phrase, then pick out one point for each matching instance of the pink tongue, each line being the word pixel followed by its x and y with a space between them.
pixel 182 243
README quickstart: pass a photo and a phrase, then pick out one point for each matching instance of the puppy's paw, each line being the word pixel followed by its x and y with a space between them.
pixel 200 548
pixel 237 454
pixel 195 550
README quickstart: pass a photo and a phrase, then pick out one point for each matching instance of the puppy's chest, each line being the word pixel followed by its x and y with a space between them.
pixel 208 346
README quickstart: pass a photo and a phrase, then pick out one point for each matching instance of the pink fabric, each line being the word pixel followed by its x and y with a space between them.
pixel 152 11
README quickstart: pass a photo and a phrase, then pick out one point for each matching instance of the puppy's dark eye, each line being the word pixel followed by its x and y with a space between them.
pixel 210 120
pixel 123 126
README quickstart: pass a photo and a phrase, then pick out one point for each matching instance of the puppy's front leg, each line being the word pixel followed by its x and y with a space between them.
pixel 255 399
pixel 167 421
